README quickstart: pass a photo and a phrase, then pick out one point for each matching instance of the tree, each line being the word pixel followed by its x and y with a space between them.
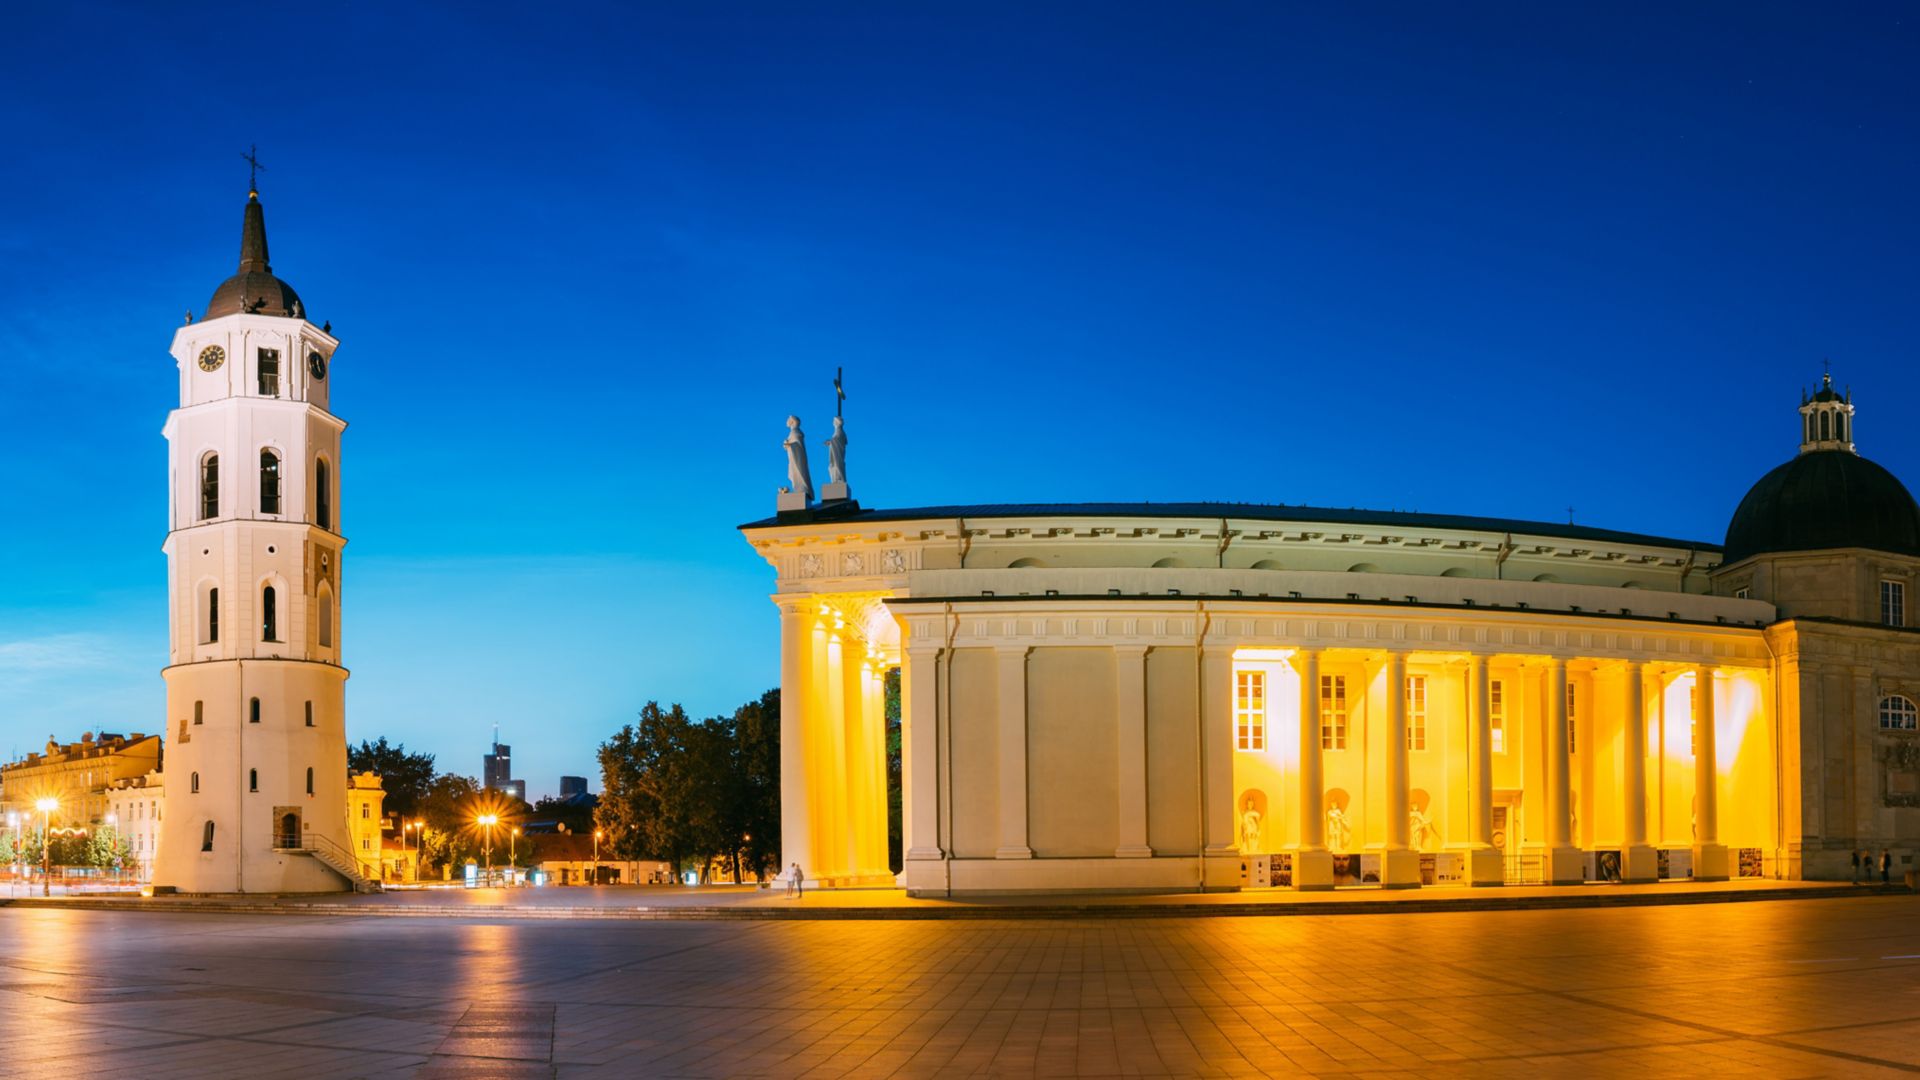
pixel 108 849
pixel 407 778
pixel 643 803
pixel 448 809
pixel 756 734
pixel 575 812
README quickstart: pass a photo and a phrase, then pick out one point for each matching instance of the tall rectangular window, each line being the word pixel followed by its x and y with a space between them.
pixel 1250 710
pixel 1416 712
pixel 269 372
pixel 1333 712
pixel 269 482
pixel 1893 603
pixel 269 615
pixel 1573 743
pixel 210 486
pixel 1497 716
pixel 213 615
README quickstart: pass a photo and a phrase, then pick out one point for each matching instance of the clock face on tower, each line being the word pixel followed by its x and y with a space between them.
pixel 317 364
pixel 212 357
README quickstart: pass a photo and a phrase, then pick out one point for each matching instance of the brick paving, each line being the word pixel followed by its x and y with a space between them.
pixel 1775 988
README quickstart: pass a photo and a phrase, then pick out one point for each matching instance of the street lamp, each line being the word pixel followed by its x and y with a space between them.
pixel 487 822
pixel 113 844
pixel 46 808
pixel 596 856
pixel 513 847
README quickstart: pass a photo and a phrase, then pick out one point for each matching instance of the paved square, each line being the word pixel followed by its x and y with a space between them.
pixel 1800 988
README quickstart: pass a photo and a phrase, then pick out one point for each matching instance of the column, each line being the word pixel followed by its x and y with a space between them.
pixel 1638 863
pixel 1312 862
pixel 796 670
pixel 919 754
pixel 1013 752
pixel 878 862
pixel 1399 863
pixel 1130 718
pixel 1564 861
pixel 1483 859
pixel 1220 853
pixel 1709 855
pixel 830 847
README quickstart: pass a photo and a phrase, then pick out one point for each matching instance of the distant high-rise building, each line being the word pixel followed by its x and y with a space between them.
pixel 572 785
pixel 497 772
pixel 515 788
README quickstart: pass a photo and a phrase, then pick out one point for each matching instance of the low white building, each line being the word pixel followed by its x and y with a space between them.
pixel 133 808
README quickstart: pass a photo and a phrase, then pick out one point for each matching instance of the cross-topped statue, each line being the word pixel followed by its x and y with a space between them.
pixel 252 158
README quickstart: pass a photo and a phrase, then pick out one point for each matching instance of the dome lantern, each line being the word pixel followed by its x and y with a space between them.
pixel 1826 418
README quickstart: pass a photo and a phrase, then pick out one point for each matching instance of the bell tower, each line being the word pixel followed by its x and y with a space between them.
pixel 256 753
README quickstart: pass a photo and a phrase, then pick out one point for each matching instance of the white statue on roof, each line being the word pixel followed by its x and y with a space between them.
pixel 799 479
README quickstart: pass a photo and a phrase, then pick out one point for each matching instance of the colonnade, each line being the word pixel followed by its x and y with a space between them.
pixel 833 780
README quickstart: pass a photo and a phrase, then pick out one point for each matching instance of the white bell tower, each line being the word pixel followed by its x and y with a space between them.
pixel 256 752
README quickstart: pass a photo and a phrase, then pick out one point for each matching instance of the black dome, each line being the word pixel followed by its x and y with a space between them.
pixel 256 293
pixel 1825 499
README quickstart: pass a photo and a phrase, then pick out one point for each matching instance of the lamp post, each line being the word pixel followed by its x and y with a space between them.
pixel 513 847
pixel 46 808
pixel 596 856
pixel 13 832
pixel 487 822
pixel 113 844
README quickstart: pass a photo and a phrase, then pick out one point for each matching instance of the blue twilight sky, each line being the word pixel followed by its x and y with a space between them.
pixel 583 259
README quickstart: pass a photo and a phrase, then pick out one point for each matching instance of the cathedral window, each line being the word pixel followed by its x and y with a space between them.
pixel 199 712
pixel 269 615
pixel 1497 716
pixel 309 714
pixel 1416 712
pixel 1826 430
pixel 1333 712
pixel 253 779
pixel 325 617
pixel 1893 603
pixel 206 837
pixel 269 482
pixel 1897 713
pixel 322 495
pixel 213 616
pixel 269 372
pixel 1250 710
pixel 1840 426
pixel 309 779
pixel 194 783
pixel 1573 743
pixel 253 710
pixel 210 486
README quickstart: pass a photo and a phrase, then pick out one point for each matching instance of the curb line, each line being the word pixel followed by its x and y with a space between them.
pixel 1009 912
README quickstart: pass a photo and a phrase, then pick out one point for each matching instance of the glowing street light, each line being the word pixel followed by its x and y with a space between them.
pixel 46 808
pixel 596 856
pixel 487 822
pixel 513 847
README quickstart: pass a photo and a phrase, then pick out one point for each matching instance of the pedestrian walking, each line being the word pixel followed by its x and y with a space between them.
pixel 799 882
pixel 1856 866
pixel 1886 866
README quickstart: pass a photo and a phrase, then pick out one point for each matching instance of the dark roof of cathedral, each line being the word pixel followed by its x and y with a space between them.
pixel 254 290
pixel 1825 499
pixel 852 512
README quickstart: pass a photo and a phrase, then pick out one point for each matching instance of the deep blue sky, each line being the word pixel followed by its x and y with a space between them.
pixel 584 260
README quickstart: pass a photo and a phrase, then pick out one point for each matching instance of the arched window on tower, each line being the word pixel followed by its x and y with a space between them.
pixel 269 615
pixel 194 783
pixel 206 837
pixel 210 486
pixel 253 710
pixel 269 482
pixel 253 779
pixel 211 631
pixel 1826 426
pixel 309 779
pixel 325 617
pixel 1840 426
pixel 322 494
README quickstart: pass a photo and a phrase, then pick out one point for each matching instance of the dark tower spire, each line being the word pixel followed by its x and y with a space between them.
pixel 253 237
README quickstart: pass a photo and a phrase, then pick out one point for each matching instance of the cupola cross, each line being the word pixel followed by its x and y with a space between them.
pixel 252 158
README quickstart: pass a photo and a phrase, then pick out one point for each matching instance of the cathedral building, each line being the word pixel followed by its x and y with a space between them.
pixel 1180 696
pixel 255 794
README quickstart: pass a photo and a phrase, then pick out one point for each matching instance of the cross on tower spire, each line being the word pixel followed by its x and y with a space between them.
pixel 252 158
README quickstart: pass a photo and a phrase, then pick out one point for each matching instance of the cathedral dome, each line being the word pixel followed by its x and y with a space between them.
pixel 1825 499
pixel 254 290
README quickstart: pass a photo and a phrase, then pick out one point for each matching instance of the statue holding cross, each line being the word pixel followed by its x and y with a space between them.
pixel 836 489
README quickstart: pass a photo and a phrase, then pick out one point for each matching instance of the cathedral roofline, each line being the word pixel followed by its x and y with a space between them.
pixel 854 515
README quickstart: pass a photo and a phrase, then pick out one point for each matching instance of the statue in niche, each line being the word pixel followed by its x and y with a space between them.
pixel 837 453
pixel 1339 829
pixel 1421 830
pixel 1250 828
pixel 799 479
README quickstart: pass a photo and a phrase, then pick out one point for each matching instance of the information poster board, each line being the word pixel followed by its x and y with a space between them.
pixel 1750 864
pixel 1676 864
pixel 1280 871
pixel 1346 870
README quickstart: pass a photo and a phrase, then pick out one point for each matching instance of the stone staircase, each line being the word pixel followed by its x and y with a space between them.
pixel 339 860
